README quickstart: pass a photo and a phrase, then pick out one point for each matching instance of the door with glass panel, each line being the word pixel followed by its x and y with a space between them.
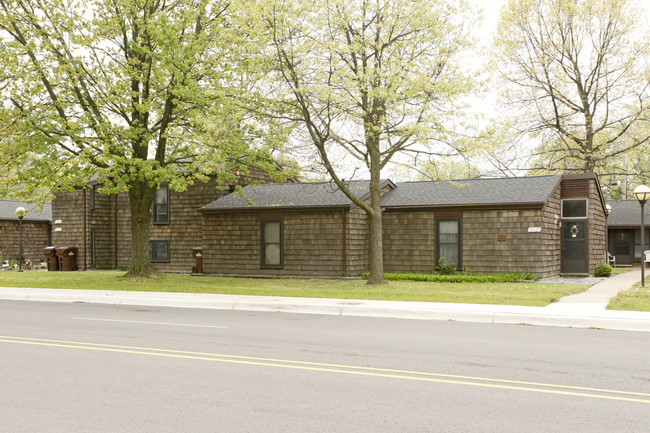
pixel 448 241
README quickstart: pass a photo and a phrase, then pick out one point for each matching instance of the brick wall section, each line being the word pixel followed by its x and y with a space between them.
pixel 520 251
pixel 312 244
pixel 596 245
pixel 35 236
pixel 409 241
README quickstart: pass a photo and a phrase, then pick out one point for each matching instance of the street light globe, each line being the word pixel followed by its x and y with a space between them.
pixel 642 193
pixel 20 212
pixel 608 209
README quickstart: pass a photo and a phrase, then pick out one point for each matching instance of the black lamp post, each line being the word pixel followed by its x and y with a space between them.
pixel 642 193
pixel 20 213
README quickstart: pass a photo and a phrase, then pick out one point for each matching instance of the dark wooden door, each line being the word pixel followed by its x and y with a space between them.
pixel 621 245
pixel 574 247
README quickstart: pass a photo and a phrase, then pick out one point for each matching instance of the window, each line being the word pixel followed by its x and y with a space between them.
pixel 448 236
pixel 271 243
pixel 161 205
pixel 159 250
pixel 91 197
pixel 92 248
pixel 574 208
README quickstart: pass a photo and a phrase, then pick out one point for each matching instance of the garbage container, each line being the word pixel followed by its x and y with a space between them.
pixel 66 257
pixel 52 259
pixel 197 252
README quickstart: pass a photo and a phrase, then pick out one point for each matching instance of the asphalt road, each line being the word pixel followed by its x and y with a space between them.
pixel 99 368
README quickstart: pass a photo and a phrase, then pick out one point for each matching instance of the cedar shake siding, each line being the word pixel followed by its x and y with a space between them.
pixel 36 230
pixel 499 241
pixel 357 241
pixel 409 241
pixel 109 221
pixel 35 239
pixel 312 243
pixel 596 244
pixel 68 222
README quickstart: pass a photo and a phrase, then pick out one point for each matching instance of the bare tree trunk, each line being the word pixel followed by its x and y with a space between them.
pixel 140 201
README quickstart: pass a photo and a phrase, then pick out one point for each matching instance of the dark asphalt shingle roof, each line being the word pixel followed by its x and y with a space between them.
pixel 284 195
pixel 7 208
pixel 473 192
pixel 627 213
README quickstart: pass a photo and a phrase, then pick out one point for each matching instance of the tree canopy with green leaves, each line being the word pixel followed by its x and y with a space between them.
pixel 134 92
pixel 576 70
pixel 365 80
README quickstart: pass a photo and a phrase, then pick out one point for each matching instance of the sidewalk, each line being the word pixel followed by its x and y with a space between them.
pixel 584 310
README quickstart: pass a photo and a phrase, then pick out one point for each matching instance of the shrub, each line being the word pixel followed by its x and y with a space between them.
pixel 122 268
pixel 510 277
pixel 446 268
pixel 603 270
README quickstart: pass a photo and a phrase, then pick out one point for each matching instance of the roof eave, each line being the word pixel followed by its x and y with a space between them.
pixel 270 208
pixel 532 205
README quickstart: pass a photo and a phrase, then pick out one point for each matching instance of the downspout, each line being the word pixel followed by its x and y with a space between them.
pixel 115 222
pixel 345 242
pixel 85 234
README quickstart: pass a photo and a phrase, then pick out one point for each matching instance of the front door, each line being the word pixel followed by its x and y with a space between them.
pixel 574 247
pixel 620 245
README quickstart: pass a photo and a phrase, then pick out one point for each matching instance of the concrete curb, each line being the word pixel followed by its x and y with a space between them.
pixel 578 315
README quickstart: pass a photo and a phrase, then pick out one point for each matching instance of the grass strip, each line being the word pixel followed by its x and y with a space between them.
pixel 635 299
pixel 527 293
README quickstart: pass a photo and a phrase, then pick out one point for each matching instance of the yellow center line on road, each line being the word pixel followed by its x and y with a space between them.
pixel 538 387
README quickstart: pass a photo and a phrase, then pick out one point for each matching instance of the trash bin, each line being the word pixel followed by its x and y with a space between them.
pixel 66 257
pixel 52 259
pixel 197 252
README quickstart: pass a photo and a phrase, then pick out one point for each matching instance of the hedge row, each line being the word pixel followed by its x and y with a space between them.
pixel 510 277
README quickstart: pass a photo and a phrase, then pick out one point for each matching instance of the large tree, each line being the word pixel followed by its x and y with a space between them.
pixel 575 69
pixel 135 92
pixel 366 80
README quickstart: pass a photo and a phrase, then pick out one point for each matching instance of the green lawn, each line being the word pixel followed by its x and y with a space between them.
pixel 635 299
pixel 529 293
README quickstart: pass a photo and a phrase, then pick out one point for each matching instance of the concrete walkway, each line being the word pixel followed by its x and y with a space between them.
pixel 584 310
pixel 599 294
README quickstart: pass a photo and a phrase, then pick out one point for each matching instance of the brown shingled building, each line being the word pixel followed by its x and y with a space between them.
pixel 548 225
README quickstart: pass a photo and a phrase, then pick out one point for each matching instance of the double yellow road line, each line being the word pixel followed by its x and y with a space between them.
pixel 537 387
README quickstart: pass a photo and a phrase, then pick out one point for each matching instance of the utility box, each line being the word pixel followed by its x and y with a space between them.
pixel 67 256
pixel 52 259
pixel 197 252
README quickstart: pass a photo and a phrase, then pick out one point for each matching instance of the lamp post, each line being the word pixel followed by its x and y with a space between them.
pixel 608 210
pixel 642 193
pixel 20 213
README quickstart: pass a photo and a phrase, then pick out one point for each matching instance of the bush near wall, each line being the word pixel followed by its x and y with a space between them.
pixel 510 277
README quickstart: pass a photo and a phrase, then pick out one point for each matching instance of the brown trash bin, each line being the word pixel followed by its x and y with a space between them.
pixel 52 259
pixel 197 252
pixel 67 256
